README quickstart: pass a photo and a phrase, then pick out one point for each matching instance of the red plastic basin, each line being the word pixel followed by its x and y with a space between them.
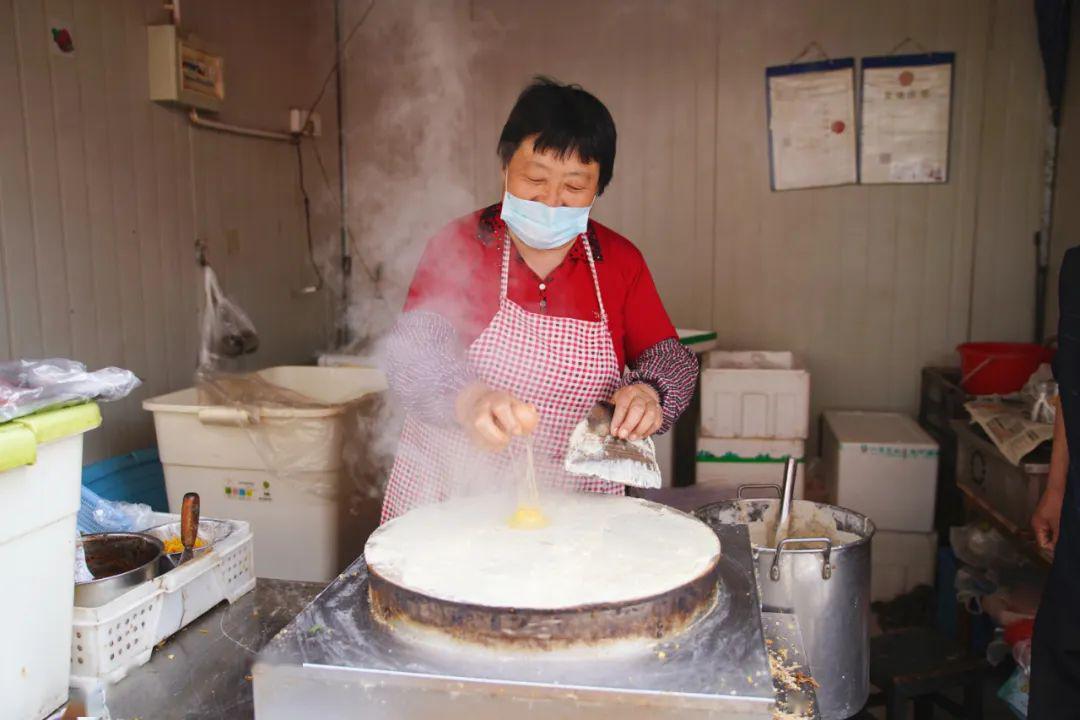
pixel 997 368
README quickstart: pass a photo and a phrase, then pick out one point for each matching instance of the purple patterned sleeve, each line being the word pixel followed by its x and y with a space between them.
pixel 426 366
pixel 672 369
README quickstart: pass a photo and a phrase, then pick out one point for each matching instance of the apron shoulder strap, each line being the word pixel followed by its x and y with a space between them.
pixel 595 278
pixel 504 277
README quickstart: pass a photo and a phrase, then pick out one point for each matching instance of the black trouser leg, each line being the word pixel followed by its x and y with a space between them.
pixel 1055 644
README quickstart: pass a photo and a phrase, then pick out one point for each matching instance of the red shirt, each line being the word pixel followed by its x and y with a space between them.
pixel 458 277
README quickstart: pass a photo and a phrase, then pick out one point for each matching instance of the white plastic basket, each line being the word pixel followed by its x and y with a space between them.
pixel 108 641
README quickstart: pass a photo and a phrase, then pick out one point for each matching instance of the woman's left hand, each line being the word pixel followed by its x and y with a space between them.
pixel 637 412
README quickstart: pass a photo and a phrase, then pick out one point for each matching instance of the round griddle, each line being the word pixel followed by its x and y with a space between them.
pixel 655 615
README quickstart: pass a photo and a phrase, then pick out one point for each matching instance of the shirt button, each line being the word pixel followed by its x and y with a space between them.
pixel 543 286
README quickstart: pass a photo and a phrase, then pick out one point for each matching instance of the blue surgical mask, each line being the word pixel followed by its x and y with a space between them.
pixel 540 226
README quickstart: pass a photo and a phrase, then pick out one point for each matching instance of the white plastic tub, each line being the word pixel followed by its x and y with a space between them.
pixel 280 469
pixel 751 394
pixel 41 462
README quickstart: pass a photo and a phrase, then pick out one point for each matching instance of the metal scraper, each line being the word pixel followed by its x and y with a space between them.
pixel 594 451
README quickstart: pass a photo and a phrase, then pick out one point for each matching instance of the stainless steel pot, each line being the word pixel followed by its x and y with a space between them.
pixel 118 561
pixel 826 583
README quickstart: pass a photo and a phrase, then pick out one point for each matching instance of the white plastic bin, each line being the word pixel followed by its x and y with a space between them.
pixel 900 561
pixel 729 463
pixel 750 394
pixel 40 473
pixel 279 469
pixel 882 465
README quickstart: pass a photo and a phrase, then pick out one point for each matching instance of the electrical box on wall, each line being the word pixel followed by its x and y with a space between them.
pixel 182 71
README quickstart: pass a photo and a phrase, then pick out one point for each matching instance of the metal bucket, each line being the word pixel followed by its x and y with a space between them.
pixel 824 581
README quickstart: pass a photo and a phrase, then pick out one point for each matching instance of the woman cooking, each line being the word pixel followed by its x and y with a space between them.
pixel 523 315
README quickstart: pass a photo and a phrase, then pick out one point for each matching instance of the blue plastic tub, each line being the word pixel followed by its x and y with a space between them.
pixel 136 478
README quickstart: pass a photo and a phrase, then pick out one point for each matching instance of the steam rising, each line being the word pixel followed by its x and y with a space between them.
pixel 408 138
pixel 407 116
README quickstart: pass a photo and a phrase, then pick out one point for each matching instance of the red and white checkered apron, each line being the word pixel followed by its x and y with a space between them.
pixel 562 365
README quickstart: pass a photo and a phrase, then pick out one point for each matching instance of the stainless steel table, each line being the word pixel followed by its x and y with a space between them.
pixel 334 661
pixel 205 670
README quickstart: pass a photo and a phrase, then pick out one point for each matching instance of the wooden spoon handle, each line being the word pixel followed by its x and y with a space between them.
pixel 189 520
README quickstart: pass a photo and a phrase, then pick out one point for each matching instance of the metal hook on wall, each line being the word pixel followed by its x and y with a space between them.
pixel 200 252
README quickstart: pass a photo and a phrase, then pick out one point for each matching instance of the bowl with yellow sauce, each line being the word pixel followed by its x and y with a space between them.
pixel 210 532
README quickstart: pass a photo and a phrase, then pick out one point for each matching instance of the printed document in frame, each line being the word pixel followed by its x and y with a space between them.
pixel 906 102
pixel 811 116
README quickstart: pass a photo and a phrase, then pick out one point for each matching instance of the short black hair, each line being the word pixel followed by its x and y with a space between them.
pixel 563 118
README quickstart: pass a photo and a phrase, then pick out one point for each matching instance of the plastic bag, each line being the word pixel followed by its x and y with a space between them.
pixel 1021 653
pixel 27 386
pixel 1015 692
pixel 82 572
pixel 96 514
pixel 971 587
pixel 983 547
pixel 1039 393
pixel 290 444
pixel 227 331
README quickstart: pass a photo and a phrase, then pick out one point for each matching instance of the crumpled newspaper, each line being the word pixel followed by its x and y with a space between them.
pixel 1009 427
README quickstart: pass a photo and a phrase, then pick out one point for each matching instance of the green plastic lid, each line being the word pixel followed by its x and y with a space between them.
pixel 20 437
pixel 694 337
pixel 706 456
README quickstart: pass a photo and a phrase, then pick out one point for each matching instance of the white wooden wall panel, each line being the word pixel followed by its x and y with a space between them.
pixel 869 283
pixel 1010 195
pixel 102 194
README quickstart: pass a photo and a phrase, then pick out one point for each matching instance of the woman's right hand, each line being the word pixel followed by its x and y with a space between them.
pixel 492 417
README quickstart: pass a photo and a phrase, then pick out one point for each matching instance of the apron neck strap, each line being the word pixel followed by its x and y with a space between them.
pixel 504 278
pixel 595 277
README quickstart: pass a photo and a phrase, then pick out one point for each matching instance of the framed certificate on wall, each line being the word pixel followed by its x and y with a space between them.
pixel 811 117
pixel 906 105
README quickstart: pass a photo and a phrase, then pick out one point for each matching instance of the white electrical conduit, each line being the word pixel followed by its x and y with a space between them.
pixel 202 122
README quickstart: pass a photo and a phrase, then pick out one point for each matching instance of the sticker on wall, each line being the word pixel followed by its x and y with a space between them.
pixel 906 103
pixel 811 116
pixel 61 38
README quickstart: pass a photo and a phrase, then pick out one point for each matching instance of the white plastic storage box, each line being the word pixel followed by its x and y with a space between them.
pixel 40 474
pixel 900 561
pixel 754 395
pixel 729 463
pixel 882 465
pixel 280 469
